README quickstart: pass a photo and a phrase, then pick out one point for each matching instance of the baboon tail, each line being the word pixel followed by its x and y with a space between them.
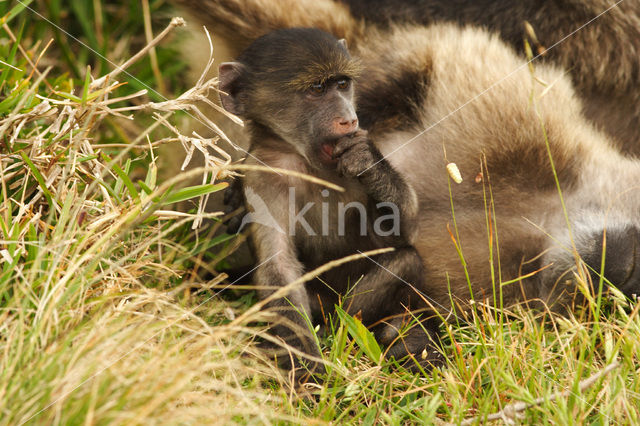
pixel 242 21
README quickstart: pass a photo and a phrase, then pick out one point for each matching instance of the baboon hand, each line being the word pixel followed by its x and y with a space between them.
pixel 355 154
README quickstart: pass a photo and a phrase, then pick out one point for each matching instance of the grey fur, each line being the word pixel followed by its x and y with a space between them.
pixel 441 93
pixel 289 128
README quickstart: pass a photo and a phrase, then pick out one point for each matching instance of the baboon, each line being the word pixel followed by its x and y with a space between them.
pixel 601 57
pixel 295 90
pixel 430 95
pixel 596 41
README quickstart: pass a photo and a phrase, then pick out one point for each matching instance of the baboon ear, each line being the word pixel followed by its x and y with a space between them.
pixel 228 74
pixel 342 42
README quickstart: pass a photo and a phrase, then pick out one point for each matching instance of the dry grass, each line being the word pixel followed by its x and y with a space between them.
pixel 97 321
pixel 104 319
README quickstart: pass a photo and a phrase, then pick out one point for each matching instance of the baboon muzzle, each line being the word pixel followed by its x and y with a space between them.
pixel 621 258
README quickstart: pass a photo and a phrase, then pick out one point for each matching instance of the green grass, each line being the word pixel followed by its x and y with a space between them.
pixel 110 307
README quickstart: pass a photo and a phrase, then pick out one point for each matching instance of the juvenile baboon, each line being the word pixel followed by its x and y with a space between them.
pixel 295 90
pixel 429 95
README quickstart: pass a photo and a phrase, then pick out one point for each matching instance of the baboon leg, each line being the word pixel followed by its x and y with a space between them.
pixel 293 311
pixel 390 297
pixel 415 343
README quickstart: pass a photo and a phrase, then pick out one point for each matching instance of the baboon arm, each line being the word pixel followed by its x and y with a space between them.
pixel 385 185
pixel 359 158
pixel 277 256
pixel 392 299
pixel 249 19
pixel 278 267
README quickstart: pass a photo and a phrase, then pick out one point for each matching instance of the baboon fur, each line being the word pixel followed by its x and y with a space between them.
pixel 430 95
pixel 597 43
pixel 300 115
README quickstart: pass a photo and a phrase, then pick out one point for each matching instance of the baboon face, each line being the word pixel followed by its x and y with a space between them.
pixel 608 243
pixel 622 265
pixel 313 72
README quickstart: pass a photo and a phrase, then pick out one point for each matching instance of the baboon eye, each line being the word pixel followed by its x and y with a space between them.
pixel 318 88
pixel 343 84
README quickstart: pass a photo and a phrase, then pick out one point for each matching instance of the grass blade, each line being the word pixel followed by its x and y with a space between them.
pixel 363 337
pixel 194 191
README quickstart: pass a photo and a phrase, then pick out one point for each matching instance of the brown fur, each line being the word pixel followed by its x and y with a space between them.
pixel 321 72
pixel 602 57
pixel 502 127
pixel 244 21
pixel 470 97
pixel 314 129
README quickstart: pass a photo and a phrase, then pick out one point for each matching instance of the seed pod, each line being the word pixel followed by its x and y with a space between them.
pixel 531 32
pixel 454 172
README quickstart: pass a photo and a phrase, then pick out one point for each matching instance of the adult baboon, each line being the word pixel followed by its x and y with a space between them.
pixel 429 95
pixel 596 41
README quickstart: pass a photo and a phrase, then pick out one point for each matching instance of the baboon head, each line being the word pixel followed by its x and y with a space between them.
pixel 610 254
pixel 620 249
pixel 295 84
